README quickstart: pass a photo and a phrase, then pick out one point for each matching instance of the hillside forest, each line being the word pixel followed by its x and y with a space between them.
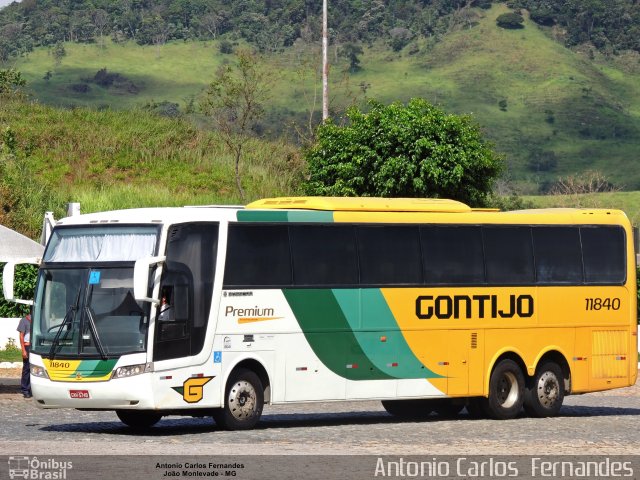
pixel 554 86
pixel 611 25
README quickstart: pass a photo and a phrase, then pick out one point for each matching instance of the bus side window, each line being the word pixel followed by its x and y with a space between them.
pixel 316 265
pixel 508 255
pixel 603 254
pixel 388 255
pixel 557 254
pixel 452 254
pixel 173 317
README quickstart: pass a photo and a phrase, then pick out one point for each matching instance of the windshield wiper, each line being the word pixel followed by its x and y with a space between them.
pixel 68 319
pixel 94 332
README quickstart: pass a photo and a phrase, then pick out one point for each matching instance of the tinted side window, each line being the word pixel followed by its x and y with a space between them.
pixel 603 252
pixel 257 255
pixel 324 255
pixel 557 254
pixel 389 255
pixel 452 254
pixel 508 254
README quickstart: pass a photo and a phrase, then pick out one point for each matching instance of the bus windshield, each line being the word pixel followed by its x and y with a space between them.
pixel 84 303
pixel 88 312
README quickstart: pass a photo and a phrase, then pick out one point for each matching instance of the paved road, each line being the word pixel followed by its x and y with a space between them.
pixel 600 423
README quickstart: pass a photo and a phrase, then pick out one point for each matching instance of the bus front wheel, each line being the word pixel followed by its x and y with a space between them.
pixel 243 401
pixel 138 418
pixel 506 391
pixel 545 392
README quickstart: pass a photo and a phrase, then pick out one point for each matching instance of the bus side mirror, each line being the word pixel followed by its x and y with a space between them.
pixel 141 278
pixel 8 275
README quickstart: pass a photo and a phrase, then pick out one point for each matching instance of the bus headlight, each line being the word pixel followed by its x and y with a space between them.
pixel 37 371
pixel 131 370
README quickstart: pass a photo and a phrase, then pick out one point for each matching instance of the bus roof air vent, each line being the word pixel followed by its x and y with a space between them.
pixel 361 204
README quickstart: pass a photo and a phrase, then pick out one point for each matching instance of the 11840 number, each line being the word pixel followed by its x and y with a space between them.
pixel 603 303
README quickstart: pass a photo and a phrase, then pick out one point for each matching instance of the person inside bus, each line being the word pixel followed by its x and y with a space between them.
pixel 166 309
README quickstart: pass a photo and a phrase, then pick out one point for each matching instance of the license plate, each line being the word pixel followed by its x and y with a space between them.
pixel 79 393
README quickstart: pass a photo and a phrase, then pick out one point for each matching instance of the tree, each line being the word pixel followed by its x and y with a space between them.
pixel 400 37
pixel 351 52
pixel 59 53
pixel 11 83
pixel 234 101
pixel 101 22
pixel 415 150
pixel 510 20
pixel 24 287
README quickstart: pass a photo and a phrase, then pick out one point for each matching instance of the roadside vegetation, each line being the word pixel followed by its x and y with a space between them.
pixel 11 352
pixel 120 159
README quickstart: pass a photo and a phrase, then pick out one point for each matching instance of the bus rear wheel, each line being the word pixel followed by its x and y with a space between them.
pixel 506 391
pixel 243 402
pixel 545 392
pixel 138 418
pixel 407 409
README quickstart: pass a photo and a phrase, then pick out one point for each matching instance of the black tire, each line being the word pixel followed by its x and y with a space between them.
pixel 243 402
pixel 545 391
pixel 139 418
pixel 506 391
pixel 407 409
pixel 446 408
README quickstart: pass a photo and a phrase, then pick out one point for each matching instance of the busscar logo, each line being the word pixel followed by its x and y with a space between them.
pixel 192 389
pixel 477 306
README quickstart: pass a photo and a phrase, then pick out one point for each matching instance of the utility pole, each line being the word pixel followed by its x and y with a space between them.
pixel 325 63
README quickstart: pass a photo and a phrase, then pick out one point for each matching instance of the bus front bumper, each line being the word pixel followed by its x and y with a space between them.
pixel 131 393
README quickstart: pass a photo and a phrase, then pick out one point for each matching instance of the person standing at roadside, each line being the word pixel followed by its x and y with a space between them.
pixel 24 327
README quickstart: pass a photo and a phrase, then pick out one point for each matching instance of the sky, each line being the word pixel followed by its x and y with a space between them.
pixel 5 2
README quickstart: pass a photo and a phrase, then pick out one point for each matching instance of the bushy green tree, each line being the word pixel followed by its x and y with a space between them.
pixel 11 82
pixel 24 287
pixel 510 20
pixel 413 150
pixel 351 52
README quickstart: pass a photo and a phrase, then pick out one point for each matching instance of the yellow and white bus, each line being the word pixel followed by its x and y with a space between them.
pixel 427 305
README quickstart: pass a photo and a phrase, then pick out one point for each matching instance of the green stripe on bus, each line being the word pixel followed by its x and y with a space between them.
pixel 330 335
pixel 94 368
pixel 310 216
pixel 261 216
pixel 284 216
pixel 378 334
pixel 98 368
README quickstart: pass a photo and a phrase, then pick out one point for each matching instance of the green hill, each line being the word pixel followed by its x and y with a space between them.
pixel 122 159
pixel 552 111
pixel 629 202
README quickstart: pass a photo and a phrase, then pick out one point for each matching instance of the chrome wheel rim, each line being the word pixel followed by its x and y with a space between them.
pixel 508 391
pixel 242 400
pixel 548 389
